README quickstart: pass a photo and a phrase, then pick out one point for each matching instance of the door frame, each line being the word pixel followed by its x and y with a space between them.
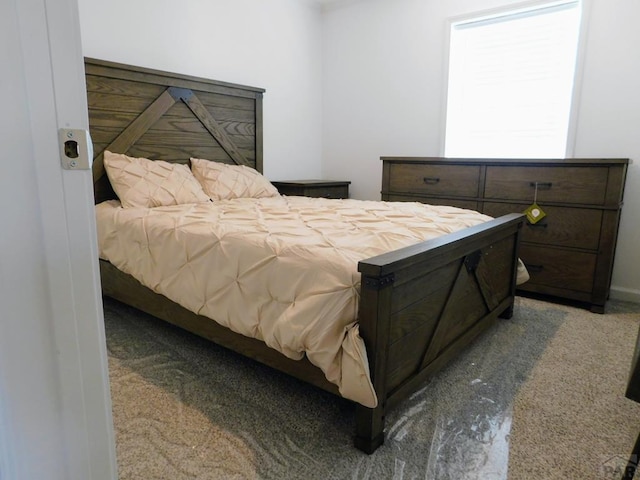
pixel 53 65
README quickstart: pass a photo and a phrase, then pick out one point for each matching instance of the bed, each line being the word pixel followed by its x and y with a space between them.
pixel 418 306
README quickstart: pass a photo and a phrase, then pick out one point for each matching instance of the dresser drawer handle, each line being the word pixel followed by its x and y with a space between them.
pixel 534 268
pixel 540 184
pixel 431 180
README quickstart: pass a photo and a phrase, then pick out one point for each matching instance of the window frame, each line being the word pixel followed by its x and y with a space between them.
pixel 513 8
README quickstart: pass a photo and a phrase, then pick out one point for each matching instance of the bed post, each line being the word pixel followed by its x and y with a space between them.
pixel 508 313
pixel 374 322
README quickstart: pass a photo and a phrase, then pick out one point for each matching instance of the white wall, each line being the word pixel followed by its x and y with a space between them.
pixel 364 79
pixel 609 120
pixel 273 44
pixel 384 75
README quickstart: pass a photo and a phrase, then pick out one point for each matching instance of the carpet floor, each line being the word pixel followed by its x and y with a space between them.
pixel 540 395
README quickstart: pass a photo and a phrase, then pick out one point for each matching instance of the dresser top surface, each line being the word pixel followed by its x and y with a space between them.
pixel 311 183
pixel 510 161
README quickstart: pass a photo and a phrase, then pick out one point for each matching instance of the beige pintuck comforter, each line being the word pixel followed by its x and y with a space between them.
pixel 280 269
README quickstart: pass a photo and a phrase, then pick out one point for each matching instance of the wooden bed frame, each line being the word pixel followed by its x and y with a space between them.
pixel 419 306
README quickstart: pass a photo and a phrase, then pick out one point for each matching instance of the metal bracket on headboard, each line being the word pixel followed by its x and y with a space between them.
pixel 183 94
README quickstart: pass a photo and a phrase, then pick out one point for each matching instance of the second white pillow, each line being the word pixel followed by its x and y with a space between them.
pixel 224 182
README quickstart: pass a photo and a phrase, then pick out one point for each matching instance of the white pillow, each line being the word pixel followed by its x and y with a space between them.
pixel 140 182
pixel 224 182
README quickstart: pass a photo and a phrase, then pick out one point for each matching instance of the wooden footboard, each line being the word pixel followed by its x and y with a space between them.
pixel 421 305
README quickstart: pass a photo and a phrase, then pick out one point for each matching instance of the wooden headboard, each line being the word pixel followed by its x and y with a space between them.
pixel 167 116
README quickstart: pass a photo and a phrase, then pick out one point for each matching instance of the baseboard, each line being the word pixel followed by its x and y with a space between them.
pixel 625 294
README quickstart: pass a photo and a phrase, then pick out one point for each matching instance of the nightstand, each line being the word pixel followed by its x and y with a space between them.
pixel 314 188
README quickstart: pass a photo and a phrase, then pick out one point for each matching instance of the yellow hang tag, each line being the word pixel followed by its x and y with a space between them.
pixel 534 213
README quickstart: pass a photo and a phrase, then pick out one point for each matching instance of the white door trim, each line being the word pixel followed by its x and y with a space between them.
pixel 54 71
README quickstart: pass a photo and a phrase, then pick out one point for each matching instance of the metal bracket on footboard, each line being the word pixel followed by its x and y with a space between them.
pixel 376 283
pixel 472 261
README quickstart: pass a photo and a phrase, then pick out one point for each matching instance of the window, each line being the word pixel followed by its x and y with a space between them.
pixel 511 83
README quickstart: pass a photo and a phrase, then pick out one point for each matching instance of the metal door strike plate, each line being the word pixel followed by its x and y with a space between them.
pixel 76 149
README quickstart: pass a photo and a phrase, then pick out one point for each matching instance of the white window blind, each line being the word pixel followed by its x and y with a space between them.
pixel 511 82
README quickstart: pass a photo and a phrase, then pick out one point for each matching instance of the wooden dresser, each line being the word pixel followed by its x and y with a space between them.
pixel 569 253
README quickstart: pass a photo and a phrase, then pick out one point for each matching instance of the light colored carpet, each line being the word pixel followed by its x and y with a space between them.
pixel 538 396
pixel 571 419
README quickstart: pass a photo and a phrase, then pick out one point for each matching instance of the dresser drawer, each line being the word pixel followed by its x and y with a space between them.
pixel 563 226
pixel 460 181
pixel 555 184
pixel 559 268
